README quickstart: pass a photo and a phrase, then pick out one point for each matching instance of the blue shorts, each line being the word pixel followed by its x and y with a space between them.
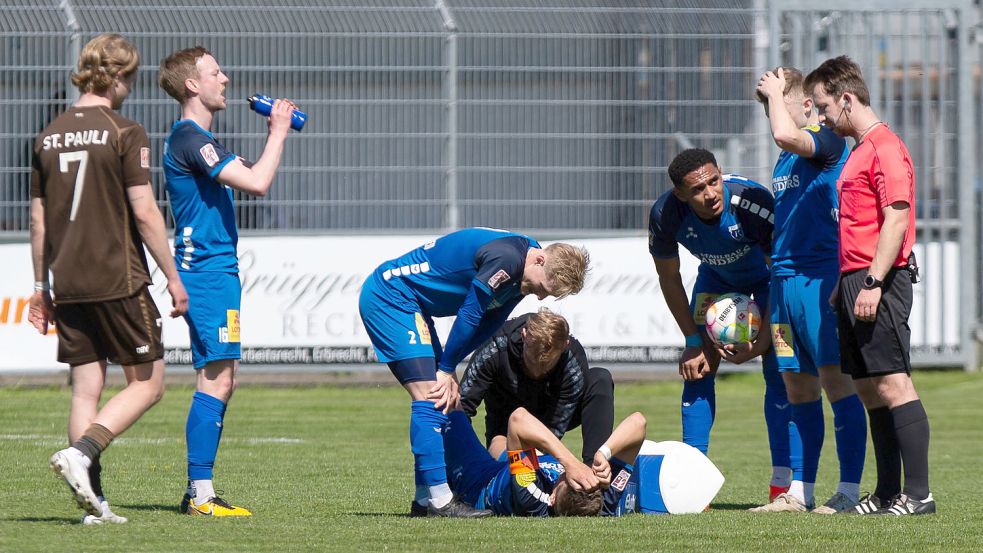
pixel 213 316
pixel 397 327
pixel 803 324
pixel 469 465
pixel 708 287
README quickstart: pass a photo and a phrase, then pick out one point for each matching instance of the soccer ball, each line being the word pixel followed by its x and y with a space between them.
pixel 733 318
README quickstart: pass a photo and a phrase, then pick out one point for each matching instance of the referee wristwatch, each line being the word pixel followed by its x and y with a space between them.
pixel 870 282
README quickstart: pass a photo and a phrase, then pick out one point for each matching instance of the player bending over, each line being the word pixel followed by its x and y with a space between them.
pixel 479 275
pixel 726 221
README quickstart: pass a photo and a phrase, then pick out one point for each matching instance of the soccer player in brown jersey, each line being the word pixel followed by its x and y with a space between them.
pixel 92 210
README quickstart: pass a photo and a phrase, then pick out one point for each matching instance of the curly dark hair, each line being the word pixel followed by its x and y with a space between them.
pixel 688 161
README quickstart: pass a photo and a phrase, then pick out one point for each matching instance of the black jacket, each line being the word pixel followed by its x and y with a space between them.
pixel 495 374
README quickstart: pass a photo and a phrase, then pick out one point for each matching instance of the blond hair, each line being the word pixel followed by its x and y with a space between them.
pixel 179 67
pixel 567 266
pixel 103 60
pixel 546 332
pixel 794 81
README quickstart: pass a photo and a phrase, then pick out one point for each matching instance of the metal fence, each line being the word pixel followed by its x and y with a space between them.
pixel 554 117
pixel 423 115
pixel 918 61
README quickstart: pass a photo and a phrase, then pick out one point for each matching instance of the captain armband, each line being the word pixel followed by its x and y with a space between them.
pixel 522 465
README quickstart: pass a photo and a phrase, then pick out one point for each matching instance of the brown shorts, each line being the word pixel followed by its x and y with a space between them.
pixel 125 331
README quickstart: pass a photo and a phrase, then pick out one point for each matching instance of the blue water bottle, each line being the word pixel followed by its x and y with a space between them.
pixel 263 105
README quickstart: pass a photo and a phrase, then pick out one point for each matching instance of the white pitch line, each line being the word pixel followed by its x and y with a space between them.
pixel 52 440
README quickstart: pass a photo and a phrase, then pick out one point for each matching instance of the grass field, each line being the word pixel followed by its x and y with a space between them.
pixel 328 469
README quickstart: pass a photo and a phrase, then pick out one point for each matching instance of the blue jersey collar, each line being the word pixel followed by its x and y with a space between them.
pixel 190 122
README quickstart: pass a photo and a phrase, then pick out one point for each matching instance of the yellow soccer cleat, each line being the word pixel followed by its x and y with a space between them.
pixel 215 507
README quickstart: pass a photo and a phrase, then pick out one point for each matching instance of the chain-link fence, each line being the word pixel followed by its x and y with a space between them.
pixel 553 117
pixel 423 115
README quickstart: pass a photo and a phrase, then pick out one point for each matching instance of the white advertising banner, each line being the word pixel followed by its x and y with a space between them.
pixel 300 303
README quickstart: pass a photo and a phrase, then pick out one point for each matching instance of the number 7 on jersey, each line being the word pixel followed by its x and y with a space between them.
pixel 82 157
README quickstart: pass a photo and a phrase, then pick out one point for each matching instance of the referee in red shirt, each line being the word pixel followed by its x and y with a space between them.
pixel 877 231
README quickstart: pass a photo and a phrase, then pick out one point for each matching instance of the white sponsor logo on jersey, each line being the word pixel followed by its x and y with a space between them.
pixel 621 480
pixel 498 278
pixel 145 158
pixel 209 154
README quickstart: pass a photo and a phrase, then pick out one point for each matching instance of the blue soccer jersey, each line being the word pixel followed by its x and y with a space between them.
pixel 732 248
pixel 475 274
pixel 205 234
pixel 806 208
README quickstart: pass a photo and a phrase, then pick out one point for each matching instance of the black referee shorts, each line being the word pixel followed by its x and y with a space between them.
pixel 881 347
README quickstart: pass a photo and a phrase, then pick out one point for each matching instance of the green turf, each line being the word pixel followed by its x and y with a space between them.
pixel 341 480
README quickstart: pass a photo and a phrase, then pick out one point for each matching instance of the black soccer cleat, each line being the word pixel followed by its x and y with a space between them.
pixel 417 510
pixel 904 505
pixel 458 509
pixel 868 505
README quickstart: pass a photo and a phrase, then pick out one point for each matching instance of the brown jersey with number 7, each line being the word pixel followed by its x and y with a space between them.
pixel 83 162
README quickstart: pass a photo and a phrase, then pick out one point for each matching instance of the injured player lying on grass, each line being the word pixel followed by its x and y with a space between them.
pixel 520 481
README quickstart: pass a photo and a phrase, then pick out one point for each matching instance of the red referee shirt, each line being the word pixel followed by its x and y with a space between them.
pixel 877 174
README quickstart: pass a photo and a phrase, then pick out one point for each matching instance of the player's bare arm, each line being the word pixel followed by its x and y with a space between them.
pixel 526 432
pixel 41 311
pixel 888 245
pixel 788 135
pixel 624 443
pixel 256 180
pixel 150 223
pixel 693 363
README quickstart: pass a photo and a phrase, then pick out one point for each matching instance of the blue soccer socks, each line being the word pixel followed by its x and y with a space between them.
pixel 427 425
pixel 203 432
pixel 808 419
pixel 699 406
pixel 783 436
pixel 850 429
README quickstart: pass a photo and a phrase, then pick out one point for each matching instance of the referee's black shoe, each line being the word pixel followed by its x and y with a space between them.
pixel 458 509
pixel 904 505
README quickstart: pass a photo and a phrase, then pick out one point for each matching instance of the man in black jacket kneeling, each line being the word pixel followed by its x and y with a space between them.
pixel 533 362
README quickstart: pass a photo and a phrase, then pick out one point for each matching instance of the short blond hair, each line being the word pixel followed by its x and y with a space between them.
pixel 794 84
pixel 103 60
pixel 567 266
pixel 179 67
pixel 546 332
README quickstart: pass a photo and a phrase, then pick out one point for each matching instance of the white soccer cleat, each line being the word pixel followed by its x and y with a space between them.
pixel 784 503
pixel 68 464
pixel 108 516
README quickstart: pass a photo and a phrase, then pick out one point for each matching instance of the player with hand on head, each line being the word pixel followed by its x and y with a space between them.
pixel 92 211
pixel 726 222
pixel 523 482
pixel 804 271
pixel 535 363
pixel 201 174
pixel 479 275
